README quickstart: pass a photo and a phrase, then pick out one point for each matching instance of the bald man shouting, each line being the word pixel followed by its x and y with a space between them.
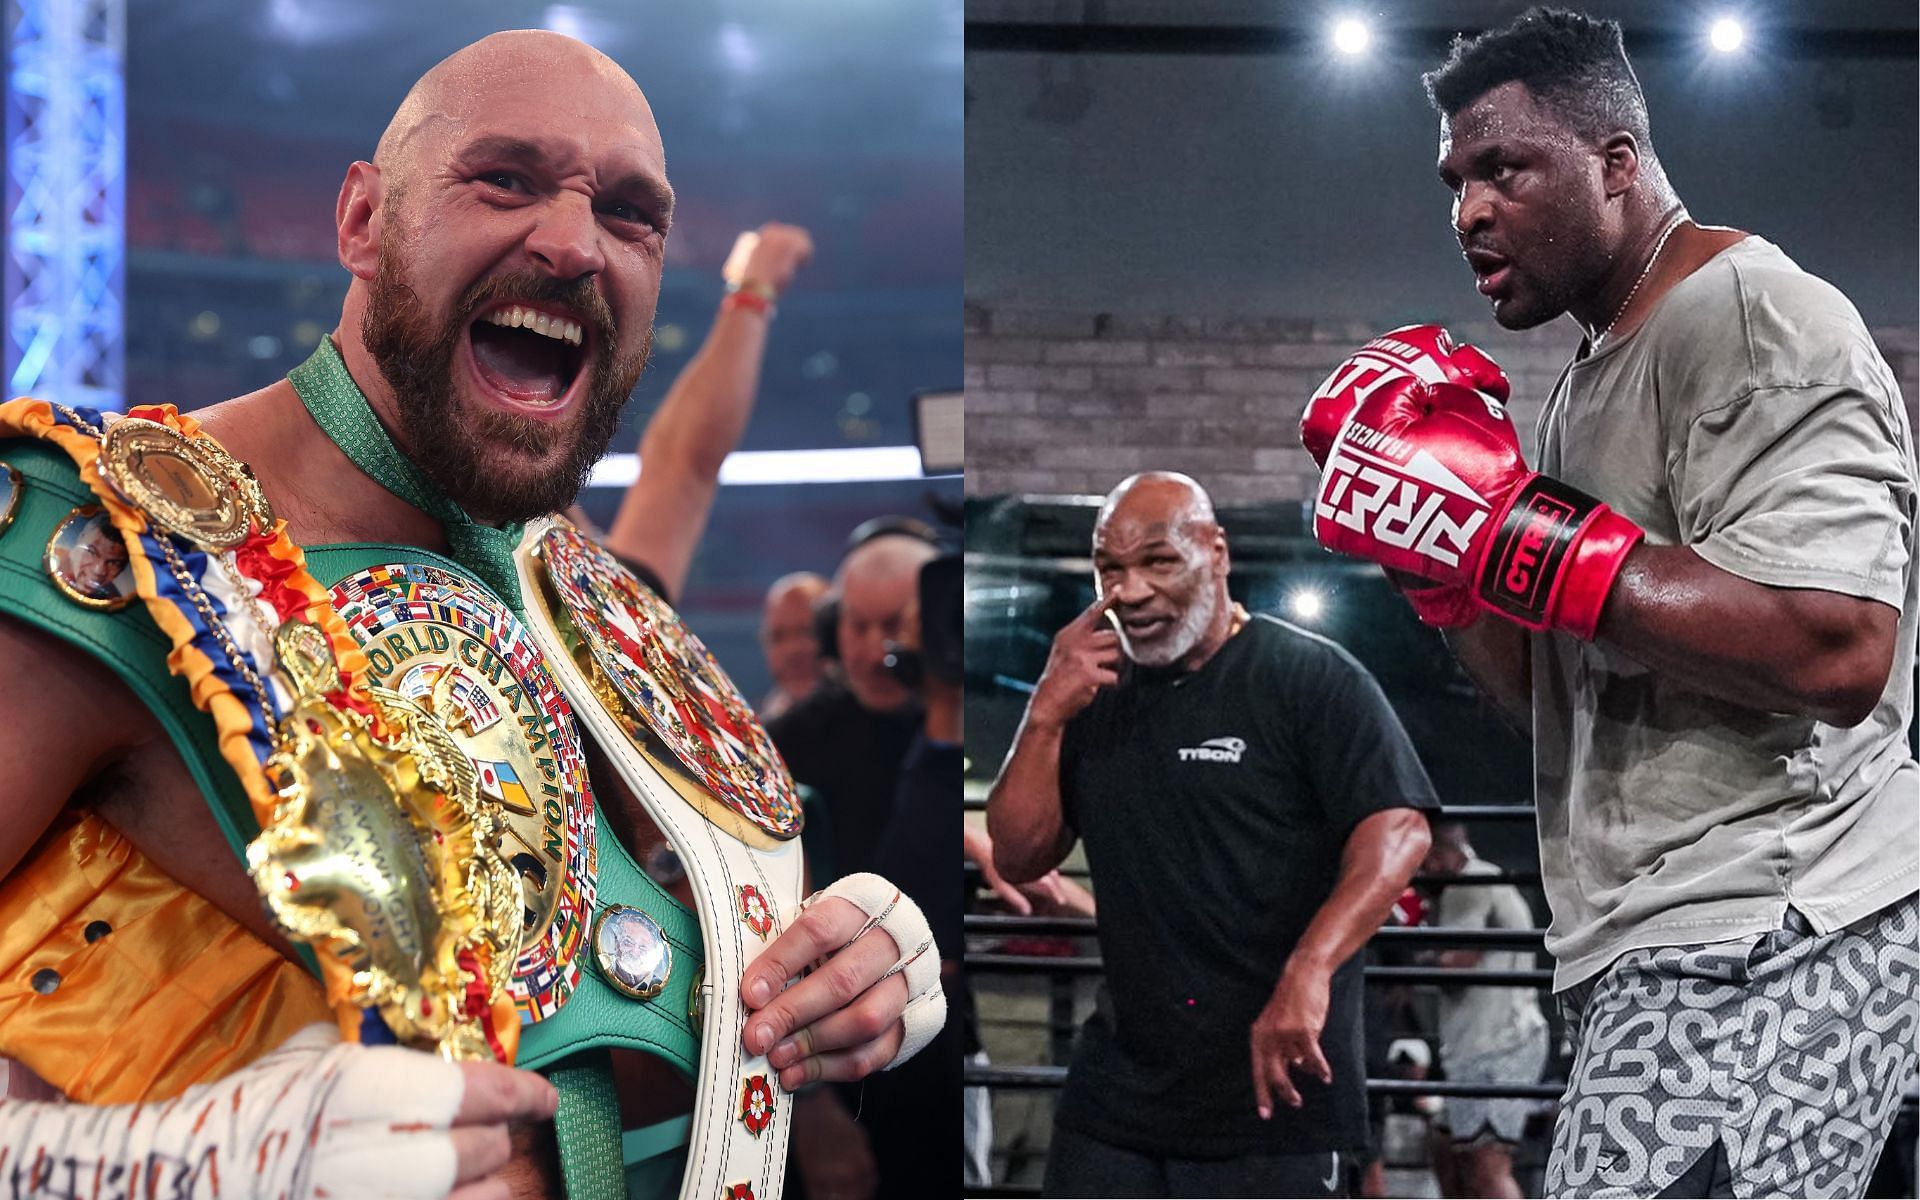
pixel 505 245
pixel 1250 808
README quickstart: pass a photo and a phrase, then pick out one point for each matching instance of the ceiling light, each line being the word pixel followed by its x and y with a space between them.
pixel 1727 35
pixel 1351 36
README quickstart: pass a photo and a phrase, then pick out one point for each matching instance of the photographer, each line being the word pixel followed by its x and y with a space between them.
pixel 912 1114
pixel 848 739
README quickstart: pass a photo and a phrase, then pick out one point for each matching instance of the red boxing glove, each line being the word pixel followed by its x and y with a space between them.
pixel 1411 356
pixel 1394 361
pixel 1442 606
pixel 1431 481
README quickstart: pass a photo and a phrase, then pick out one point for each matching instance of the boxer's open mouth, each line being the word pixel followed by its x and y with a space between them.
pixel 1144 627
pixel 530 356
pixel 1490 270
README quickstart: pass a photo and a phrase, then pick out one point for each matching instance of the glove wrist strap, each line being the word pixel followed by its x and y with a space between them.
pixel 1555 557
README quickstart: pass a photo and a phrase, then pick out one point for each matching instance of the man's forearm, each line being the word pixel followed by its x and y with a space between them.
pixel 1804 651
pixel 707 408
pixel 1380 857
pixel 1497 656
pixel 699 423
pixel 1023 808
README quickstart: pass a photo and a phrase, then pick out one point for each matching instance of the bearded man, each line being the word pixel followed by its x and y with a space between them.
pixel 506 245
pixel 1251 811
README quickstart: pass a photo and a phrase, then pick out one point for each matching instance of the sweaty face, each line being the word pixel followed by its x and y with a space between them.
pixel 1164 585
pixel 1527 205
pixel 519 268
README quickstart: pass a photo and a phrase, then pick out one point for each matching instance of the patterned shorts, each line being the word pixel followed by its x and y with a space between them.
pixel 1791 1050
pixel 1475 1120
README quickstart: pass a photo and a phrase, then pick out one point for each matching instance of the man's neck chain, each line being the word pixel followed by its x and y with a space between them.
pixel 1645 271
pixel 1240 619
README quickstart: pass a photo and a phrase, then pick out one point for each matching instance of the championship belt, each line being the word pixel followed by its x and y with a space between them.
pixel 689 748
pixel 376 848
pixel 440 639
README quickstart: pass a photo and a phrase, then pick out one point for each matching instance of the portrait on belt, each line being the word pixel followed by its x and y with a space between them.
pixel 1494 418
pixel 10 482
pixel 632 952
pixel 88 560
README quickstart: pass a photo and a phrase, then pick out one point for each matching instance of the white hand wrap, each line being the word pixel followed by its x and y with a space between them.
pixel 892 910
pixel 316 1117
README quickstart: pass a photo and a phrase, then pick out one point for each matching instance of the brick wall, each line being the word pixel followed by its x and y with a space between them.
pixel 1068 403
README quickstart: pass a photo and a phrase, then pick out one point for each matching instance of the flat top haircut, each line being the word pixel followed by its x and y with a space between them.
pixel 1573 64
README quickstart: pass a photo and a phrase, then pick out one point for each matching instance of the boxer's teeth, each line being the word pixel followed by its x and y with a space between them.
pixel 516 317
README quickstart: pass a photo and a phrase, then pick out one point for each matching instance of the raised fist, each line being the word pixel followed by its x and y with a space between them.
pixel 1402 358
pixel 774 253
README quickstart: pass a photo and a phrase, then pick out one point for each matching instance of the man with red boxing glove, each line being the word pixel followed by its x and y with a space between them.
pixel 1702 604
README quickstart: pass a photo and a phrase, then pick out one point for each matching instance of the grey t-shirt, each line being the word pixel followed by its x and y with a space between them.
pixel 1477 1021
pixel 1752 419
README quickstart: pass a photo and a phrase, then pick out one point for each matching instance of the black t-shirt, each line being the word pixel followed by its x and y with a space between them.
pixel 916 850
pixel 851 757
pixel 913 1111
pixel 1214 806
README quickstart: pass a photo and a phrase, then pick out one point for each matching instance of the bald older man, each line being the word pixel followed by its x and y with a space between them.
pixel 790 641
pixel 505 245
pixel 847 740
pixel 1250 809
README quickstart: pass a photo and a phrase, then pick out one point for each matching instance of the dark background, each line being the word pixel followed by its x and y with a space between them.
pixel 1165 158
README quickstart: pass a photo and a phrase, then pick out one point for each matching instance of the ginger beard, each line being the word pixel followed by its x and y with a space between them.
pixel 496 465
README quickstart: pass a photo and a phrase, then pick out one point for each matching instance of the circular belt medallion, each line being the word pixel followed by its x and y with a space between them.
pixel 187 486
pixel 87 560
pixel 10 484
pixel 445 643
pixel 632 952
pixel 667 679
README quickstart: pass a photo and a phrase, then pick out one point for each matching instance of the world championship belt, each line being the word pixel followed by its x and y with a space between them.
pixel 436 637
pixel 689 748
pixel 375 848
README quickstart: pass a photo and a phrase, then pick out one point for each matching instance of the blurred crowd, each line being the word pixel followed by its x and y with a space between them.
pixel 864 657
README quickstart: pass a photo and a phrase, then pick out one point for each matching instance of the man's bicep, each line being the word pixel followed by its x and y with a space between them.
pixel 1807 487
pixel 59 712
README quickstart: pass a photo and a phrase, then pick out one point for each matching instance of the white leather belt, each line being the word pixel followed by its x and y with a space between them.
pixel 679 735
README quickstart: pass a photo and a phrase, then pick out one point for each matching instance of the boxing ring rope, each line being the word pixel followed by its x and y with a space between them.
pixel 1446 812
pixel 1034 1078
pixel 1530 879
pixel 1421 935
pixel 1065 968
pixel 1090 964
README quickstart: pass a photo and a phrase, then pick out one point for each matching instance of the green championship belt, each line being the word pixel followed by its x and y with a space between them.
pixel 605 957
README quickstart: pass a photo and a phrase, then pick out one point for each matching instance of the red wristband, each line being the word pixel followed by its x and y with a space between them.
pixel 750 301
